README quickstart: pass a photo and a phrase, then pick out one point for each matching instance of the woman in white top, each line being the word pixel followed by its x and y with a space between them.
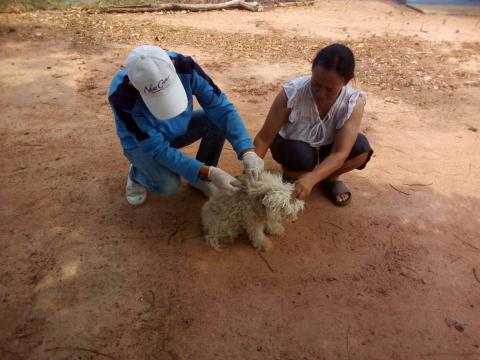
pixel 312 128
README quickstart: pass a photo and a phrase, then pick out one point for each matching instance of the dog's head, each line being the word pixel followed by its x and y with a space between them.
pixel 275 195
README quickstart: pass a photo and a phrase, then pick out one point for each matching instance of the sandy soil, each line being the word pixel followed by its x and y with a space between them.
pixel 85 276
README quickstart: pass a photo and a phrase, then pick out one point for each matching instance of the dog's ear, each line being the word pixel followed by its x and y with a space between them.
pixel 256 188
pixel 274 201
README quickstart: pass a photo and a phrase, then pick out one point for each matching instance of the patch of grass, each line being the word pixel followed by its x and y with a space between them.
pixel 99 4
pixel 122 2
pixel 30 5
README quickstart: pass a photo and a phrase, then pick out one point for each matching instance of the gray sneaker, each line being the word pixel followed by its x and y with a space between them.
pixel 136 193
pixel 206 187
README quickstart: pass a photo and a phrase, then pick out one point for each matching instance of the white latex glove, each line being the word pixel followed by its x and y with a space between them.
pixel 253 164
pixel 222 180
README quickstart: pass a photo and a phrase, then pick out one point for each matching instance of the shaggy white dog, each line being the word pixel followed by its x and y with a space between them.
pixel 258 207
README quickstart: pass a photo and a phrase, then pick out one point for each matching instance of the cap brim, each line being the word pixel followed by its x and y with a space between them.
pixel 168 103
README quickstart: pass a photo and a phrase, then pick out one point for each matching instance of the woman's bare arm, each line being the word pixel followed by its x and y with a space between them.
pixel 276 117
pixel 344 141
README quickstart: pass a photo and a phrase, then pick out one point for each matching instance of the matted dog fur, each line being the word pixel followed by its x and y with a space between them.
pixel 257 208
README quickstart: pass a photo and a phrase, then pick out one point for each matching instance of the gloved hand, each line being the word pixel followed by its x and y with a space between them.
pixel 253 164
pixel 222 180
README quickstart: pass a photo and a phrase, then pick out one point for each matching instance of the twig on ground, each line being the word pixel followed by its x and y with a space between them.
pixel 25 144
pixel 419 184
pixel 387 249
pixel 416 9
pixel 172 234
pixel 466 243
pixel 394 148
pixel 337 226
pixel 296 3
pixel 175 230
pixel 72 348
pixel 400 191
pixel 474 271
pixel 457 355
pixel 410 277
pixel 152 302
pixel 14 172
pixel 455 259
pixel 406 169
pixel 252 6
pixel 348 350
pixel 265 261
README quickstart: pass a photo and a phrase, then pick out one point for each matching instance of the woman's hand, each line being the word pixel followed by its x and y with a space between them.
pixel 303 187
pixel 253 164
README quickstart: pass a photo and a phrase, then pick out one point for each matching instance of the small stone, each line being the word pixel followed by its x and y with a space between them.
pixel 457 324
pixel 391 100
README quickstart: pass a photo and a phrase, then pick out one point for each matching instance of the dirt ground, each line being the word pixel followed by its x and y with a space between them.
pixel 85 276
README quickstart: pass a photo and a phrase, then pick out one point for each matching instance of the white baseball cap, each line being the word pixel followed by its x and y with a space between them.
pixel 153 74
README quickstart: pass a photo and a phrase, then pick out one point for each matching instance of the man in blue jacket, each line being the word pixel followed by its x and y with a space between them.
pixel 152 100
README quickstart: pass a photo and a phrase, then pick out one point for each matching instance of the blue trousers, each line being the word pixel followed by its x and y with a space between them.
pixel 160 180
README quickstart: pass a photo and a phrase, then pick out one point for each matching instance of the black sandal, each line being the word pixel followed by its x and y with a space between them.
pixel 334 188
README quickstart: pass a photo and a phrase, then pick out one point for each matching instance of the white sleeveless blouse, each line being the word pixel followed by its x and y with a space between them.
pixel 304 122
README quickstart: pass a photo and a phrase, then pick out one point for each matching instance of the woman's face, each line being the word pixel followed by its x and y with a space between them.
pixel 326 86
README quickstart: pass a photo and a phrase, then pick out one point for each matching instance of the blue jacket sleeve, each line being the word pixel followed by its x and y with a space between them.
pixel 220 110
pixel 153 143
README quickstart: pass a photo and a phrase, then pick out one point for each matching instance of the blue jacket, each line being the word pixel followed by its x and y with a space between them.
pixel 138 127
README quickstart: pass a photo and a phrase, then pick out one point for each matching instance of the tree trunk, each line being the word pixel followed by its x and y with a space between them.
pixel 233 4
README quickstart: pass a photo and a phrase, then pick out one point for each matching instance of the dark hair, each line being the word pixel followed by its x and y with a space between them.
pixel 336 57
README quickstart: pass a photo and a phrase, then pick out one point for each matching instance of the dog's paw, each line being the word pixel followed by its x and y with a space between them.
pixel 213 243
pixel 264 245
pixel 274 229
